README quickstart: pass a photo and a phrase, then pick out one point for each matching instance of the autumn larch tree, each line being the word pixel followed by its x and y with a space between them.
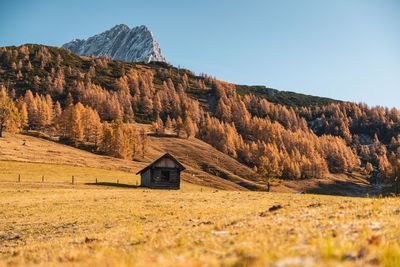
pixel 178 126
pixel 368 168
pixel 23 110
pixel 92 127
pixel 144 141
pixel 9 115
pixel 168 123
pixel 158 126
pixel 108 135
pixel 190 127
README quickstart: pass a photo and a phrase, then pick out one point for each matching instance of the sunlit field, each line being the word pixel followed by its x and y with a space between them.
pixel 62 174
pixel 57 223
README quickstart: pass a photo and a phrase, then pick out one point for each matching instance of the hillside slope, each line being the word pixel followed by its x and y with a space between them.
pixel 284 97
pixel 205 165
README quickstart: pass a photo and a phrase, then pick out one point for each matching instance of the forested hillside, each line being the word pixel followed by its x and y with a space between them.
pixel 95 102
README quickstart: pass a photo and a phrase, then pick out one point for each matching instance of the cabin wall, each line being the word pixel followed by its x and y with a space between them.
pixel 174 178
pixel 146 178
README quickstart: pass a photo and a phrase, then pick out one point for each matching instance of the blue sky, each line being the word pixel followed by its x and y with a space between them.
pixel 344 49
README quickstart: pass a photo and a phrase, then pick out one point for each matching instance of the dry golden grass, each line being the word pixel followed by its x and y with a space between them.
pixel 56 223
pixel 58 173
pixel 84 225
pixel 42 151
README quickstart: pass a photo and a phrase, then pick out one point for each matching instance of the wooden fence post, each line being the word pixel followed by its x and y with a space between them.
pixel 73 179
pixel 96 180
pixel 42 178
pixel 117 181
pixel 19 178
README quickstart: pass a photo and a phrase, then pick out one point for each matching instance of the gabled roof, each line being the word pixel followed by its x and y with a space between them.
pixel 166 155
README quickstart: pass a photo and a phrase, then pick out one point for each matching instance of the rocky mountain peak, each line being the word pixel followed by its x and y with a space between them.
pixel 135 44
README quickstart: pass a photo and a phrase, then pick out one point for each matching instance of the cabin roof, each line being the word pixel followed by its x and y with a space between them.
pixel 166 155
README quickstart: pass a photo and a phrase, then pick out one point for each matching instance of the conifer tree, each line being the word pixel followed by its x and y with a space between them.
pixel 168 123
pixel 122 85
pixel 119 148
pixel 146 105
pixel 70 123
pixel 143 141
pixel 29 67
pixel 57 110
pixel 32 108
pixel 23 110
pixel 107 140
pixel 92 127
pixel 159 126
pixel 178 126
pixel 9 115
pixel 157 106
pixel 70 100
pixel 76 123
pixel 369 168
pixel 190 127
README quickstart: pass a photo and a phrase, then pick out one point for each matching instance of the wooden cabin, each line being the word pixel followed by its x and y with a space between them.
pixel 163 173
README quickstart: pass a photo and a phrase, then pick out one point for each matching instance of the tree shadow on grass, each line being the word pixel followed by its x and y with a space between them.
pixel 114 185
pixel 344 188
pixel 163 135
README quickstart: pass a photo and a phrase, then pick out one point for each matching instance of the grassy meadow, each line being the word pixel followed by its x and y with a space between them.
pixel 58 173
pixel 56 223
